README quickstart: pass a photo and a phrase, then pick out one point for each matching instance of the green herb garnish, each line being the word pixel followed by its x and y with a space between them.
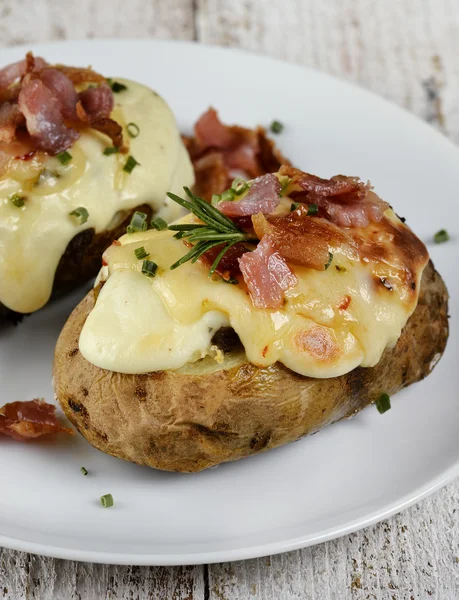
pixel 383 403
pixel 130 165
pixel 84 471
pixel 111 150
pixel 106 500
pixel 138 222
pixel 286 181
pixel 441 236
pixel 133 130
pixel 141 253
pixel 149 268
pixel 81 214
pixel 64 157
pixel 313 209
pixel 239 186
pixel 294 206
pixel 17 200
pixel 277 127
pixel 116 86
pixel 330 258
pixel 216 198
pixel 159 224
pixel 214 230
pixel 228 195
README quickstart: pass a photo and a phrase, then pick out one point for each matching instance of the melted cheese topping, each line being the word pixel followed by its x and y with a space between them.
pixel 331 322
pixel 34 237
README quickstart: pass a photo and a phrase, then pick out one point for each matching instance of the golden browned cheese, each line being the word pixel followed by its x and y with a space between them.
pixel 200 416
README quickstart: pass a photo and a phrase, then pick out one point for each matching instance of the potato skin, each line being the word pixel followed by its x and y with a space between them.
pixel 182 422
pixel 81 260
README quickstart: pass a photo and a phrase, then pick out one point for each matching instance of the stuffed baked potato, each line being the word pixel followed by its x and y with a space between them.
pixel 333 303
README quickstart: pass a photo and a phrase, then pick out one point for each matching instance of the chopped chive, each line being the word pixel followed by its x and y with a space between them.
pixel 80 213
pixel 330 258
pixel 84 471
pixel 294 206
pixel 141 253
pixel 159 224
pixel 340 269
pixel 239 186
pixel 133 130
pixel 313 209
pixel 138 222
pixel 130 165
pixel 441 236
pixel 228 195
pixel 277 127
pixel 64 157
pixel 106 500
pixel 216 198
pixel 116 86
pixel 383 403
pixel 231 280
pixel 149 268
pixel 111 150
pixel 17 200
pixel 286 181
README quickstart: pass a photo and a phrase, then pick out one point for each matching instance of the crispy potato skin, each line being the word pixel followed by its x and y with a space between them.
pixel 177 422
pixel 80 262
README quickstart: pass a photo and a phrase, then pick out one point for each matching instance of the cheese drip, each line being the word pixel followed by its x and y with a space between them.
pixel 331 322
pixel 34 237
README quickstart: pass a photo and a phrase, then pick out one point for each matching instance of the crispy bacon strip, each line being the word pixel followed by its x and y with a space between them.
pixel 220 152
pixel 266 275
pixel 13 72
pixel 31 419
pixel 97 102
pixel 301 239
pixel 263 197
pixel 62 90
pixel 346 201
pixel 79 75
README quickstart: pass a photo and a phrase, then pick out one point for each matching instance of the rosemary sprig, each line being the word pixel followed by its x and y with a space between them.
pixel 215 229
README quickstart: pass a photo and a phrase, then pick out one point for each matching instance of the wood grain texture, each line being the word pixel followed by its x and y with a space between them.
pixel 405 50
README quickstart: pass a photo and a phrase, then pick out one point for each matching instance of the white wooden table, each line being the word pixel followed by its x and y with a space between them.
pixel 405 50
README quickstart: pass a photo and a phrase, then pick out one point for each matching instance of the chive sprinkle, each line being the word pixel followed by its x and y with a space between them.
pixel 141 253
pixel 17 200
pixel 84 471
pixel 64 157
pixel 138 222
pixel 111 150
pixel 116 86
pixel 441 236
pixel 133 130
pixel 277 127
pixel 81 214
pixel 149 268
pixel 286 181
pixel 130 165
pixel 313 209
pixel 294 206
pixel 106 500
pixel 228 195
pixel 159 224
pixel 239 186
pixel 383 403
pixel 216 198
pixel 330 258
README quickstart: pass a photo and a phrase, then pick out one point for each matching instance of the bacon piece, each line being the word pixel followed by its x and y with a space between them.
pixel 10 118
pixel 266 275
pixel 97 102
pixel 262 197
pixel 11 73
pixel 62 90
pixel 301 239
pixel 43 116
pixel 79 75
pixel 211 133
pixel 31 419
pixel 346 201
pixel 110 128
pixel 228 267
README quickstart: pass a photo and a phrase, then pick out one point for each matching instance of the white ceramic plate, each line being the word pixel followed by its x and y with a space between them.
pixel 348 476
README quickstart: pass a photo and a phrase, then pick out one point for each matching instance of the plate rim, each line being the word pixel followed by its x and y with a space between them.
pixel 271 548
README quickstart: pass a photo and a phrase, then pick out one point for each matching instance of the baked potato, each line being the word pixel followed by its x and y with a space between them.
pixel 231 402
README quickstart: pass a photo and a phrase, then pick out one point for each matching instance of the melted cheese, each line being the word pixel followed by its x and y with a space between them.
pixel 34 237
pixel 332 321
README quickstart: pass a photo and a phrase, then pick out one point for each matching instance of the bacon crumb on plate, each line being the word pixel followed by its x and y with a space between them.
pixel 30 419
